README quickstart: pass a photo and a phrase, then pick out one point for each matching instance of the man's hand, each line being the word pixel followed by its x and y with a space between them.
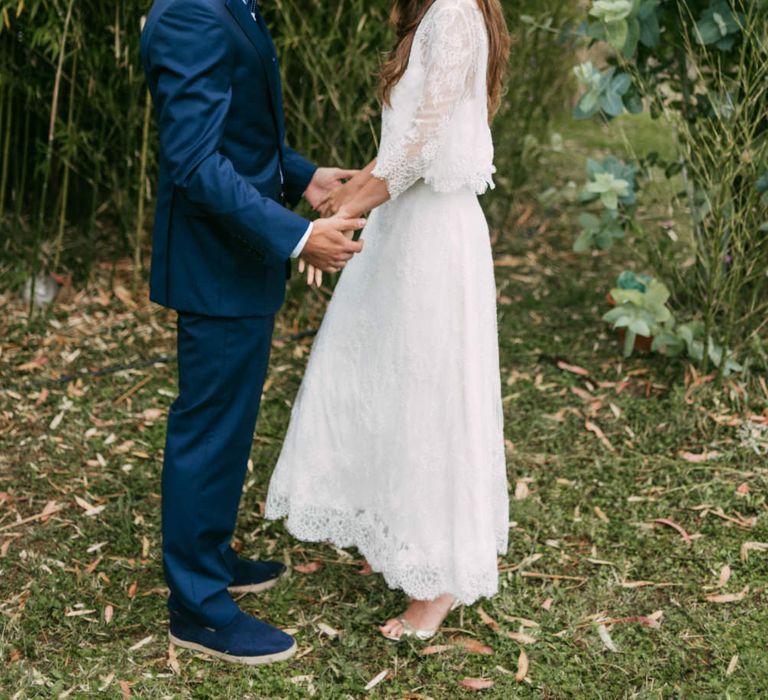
pixel 330 246
pixel 336 198
pixel 324 182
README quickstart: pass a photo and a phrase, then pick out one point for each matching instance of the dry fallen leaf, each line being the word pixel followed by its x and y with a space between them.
pixel 476 683
pixel 487 619
pixel 306 680
pixel 521 637
pixel 675 526
pixel 654 619
pixel 132 589
pixel 435 649
pixel 92 566
pixel 732 665
pixel 56 422
pixel 521 491
pixel 748 547
pixel 125 687
pixel 35 364
pixel 151 414
pixel 106 682
pixel 509 261
pixel 573 369
pixel 141 643
pixel 524 621
pixel 645 584
pixel 109 612
pixel 365 569
pixel 308 568
pixel 547 604
pixel 522 666
pixel 594 428
pixel 582 394
pixel 377 679
pixel 472 645
pixel 601 514
pixel 327 630
pixel 695 458
pixel 605 637
pixel 728 597
pixel 173 660
pixel 90 509
pixel 725 576
pixel 124 295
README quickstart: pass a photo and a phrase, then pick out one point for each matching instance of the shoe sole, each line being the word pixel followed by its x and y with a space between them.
pixel 244 660
pixel 256 587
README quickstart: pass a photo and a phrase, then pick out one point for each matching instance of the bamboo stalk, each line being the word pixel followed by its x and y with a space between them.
pixel 6 114
pixel 7 129
pixel 67 169
pixel 139 239
pixel 49 150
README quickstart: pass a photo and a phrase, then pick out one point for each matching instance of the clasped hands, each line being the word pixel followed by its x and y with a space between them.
pixel 330 246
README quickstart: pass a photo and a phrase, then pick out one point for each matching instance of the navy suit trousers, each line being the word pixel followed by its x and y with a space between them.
pixel 222 366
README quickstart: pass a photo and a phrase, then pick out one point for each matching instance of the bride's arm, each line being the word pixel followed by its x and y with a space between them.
pixel 371 194
pixel 338 197
pixel 362 193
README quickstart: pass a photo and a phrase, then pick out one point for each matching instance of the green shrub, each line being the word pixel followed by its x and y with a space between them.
pixel 700 66
pixel 78 193
pixel 72 107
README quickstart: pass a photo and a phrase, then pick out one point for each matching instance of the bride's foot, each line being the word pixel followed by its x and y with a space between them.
pixel 422 619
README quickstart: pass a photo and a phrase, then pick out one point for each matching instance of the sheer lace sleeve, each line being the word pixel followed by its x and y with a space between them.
pixel 449 47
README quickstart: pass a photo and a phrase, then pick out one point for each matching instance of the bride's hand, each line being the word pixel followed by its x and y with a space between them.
pixel 314 276
pixel 335 199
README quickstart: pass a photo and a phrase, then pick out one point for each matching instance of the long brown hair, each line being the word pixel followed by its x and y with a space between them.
pixel 407 15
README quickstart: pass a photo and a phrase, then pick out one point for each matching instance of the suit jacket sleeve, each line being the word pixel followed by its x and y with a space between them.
pixel 189 62
pixel 298 174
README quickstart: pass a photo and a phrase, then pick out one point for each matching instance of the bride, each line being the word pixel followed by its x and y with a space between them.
pixel 396 438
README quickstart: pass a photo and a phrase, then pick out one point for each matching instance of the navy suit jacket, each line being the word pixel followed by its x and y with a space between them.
pixel 222 235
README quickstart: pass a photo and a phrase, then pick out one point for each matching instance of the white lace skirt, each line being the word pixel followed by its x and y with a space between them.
pixel 395 444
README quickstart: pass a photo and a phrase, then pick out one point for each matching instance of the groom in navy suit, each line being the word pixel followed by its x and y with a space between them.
pixel 222 241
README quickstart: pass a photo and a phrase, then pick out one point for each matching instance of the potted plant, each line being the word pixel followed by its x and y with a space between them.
pixel 640 311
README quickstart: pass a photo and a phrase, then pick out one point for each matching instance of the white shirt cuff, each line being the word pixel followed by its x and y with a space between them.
pixel 300 245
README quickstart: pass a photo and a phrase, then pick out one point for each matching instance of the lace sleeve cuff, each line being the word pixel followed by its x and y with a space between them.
pixel 393 177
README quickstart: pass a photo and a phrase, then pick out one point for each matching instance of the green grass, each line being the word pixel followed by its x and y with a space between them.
pixel 588 515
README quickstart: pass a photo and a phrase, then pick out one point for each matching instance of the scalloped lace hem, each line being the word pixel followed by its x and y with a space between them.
pixel 466 581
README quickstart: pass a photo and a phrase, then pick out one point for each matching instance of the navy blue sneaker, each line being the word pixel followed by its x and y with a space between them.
pixel 255 576
pixel 245 640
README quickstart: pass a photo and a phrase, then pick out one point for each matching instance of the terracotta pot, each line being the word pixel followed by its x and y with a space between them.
pixel 642 342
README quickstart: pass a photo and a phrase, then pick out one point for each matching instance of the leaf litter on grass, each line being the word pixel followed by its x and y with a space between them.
pixel 563 469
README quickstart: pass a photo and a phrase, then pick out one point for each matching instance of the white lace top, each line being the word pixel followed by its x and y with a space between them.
pixel 436 128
